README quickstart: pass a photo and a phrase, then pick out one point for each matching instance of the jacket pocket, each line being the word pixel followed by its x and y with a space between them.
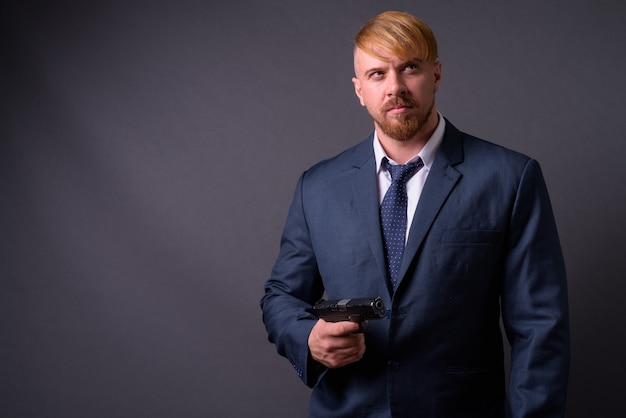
pixel 470 236
pixel 467 253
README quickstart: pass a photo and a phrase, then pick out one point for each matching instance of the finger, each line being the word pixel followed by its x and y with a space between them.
pixel 344 328
pixel 330 343
pixel 335 351
pixel 343 357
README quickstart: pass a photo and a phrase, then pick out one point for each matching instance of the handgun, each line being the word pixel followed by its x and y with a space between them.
pixel 354 310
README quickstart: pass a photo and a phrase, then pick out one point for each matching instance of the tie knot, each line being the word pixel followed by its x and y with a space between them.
pixel 401 173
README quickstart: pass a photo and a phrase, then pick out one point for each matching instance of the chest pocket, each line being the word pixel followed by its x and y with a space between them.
pixel 470 237
pixel 465 252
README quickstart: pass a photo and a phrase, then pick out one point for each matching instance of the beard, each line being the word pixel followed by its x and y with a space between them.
pixel 402 127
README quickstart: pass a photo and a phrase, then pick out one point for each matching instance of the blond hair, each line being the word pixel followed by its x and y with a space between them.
pixel 398 34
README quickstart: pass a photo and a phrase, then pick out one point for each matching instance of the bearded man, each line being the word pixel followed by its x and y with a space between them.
pixel 452 232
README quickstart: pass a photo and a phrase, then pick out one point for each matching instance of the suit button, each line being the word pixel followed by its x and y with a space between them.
pixel 393 365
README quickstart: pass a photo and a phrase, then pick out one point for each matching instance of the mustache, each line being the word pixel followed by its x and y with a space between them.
pixel 398 101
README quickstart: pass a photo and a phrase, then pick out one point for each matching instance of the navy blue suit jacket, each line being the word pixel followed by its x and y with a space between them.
pixel 483 242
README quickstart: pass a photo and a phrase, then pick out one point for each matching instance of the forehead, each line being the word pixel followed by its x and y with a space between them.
pixel 364 60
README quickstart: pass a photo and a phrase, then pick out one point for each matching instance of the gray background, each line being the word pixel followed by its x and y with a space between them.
pixel 149 151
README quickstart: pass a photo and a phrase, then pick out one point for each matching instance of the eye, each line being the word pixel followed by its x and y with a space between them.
pixel 412 68
pixel 376 75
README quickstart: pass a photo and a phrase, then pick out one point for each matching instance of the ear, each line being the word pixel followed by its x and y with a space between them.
pixel 437 73
pixel 357 90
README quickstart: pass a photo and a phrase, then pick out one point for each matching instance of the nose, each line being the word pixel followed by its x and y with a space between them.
pixel 395 84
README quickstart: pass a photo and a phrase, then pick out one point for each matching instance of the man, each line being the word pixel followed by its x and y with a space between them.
pixel 478 240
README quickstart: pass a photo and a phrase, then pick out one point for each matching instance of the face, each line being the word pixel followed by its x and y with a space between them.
pixel 398 93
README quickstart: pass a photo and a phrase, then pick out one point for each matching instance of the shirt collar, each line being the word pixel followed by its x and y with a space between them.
pixel 427 154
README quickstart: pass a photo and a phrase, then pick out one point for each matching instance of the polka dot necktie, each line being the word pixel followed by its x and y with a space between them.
pixel 393 215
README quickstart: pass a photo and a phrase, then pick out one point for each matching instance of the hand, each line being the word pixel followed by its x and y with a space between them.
pixel 336 344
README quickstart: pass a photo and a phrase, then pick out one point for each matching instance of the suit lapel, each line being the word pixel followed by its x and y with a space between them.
pixel 365 190
pixel 439 184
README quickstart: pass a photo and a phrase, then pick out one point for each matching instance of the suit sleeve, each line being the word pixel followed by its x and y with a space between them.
pixel 534 304
pixel 294 286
